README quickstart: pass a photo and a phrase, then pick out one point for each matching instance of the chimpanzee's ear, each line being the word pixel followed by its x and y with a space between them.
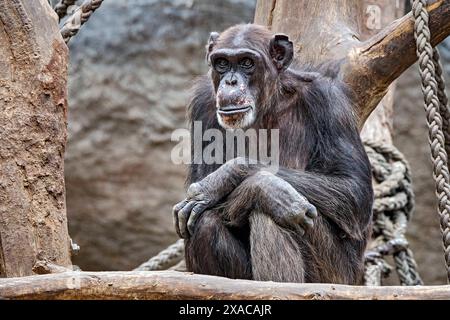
pixel 213 36
pixel 281 51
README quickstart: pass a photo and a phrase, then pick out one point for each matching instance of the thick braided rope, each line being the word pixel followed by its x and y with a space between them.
pixel 409 257
pixel 165 259
pixel 61 7
pixel 78 18
pixel 390 168
pixel 393 206
pixel 372 274
pixel 404 258
pixel 443 100
pixel 393 229
pixel 433 108
pixel 393 233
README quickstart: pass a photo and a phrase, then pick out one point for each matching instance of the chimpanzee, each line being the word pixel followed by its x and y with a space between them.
pixel 310 220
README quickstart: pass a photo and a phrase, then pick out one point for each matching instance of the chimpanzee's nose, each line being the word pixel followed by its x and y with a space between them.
pixel 231 81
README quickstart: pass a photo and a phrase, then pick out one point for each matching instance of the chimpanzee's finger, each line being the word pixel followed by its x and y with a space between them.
pixel 299 230
pixel 183 216
pixel 308 223
pixel 293 223
pixel 308 219
pixel 180 205
pixel 176 208
pixel 196 211
pixel 193 190
pixel 312 212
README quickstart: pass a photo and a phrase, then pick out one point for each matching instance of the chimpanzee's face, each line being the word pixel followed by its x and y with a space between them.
pixel 245 63
pixel 235 71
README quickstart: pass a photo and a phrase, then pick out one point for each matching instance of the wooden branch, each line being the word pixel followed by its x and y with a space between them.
pixel 33 105
pixel 172 285
pixel 372 66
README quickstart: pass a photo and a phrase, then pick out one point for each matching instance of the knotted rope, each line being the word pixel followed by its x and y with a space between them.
pixel 392 209
pixel 438 115
pixel 61 7
pixel 165 259
pixel 78 18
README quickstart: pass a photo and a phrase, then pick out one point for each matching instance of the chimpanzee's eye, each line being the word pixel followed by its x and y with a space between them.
pixel 247 63
pixel 221 65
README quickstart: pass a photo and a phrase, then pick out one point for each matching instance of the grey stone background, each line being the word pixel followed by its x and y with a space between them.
pixel 131 67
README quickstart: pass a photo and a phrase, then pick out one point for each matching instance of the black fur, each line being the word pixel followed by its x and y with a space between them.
pixel 321 156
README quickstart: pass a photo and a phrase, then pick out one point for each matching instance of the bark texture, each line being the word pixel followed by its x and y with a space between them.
pixel 33 108
pixel 172 285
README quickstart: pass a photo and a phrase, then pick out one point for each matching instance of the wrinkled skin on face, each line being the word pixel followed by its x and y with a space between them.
pixel 243 76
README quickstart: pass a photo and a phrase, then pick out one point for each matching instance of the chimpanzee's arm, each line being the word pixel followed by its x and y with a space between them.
pixel 336 178
pixel 346 201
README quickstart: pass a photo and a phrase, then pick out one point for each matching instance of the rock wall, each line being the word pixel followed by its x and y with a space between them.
pixel 131 67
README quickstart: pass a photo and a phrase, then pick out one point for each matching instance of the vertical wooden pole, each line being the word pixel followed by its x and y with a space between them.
pixel 33 107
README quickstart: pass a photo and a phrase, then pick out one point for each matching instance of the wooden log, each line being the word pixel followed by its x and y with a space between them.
pixel 172 285
pixel 33 107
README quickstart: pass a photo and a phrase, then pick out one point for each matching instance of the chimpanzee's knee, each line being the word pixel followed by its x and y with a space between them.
pixel 213 249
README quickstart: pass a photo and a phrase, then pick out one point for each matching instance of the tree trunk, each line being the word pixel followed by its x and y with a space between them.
pixel 33 107
pixel 379 14
pixel 329 30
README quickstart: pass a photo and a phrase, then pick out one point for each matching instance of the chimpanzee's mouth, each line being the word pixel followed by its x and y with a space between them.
pixel 236 116
pixel 233 110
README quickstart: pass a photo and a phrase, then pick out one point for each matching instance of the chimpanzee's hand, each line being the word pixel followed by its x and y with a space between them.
pixel 207 193
pixel 185 214
pixel 287 207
